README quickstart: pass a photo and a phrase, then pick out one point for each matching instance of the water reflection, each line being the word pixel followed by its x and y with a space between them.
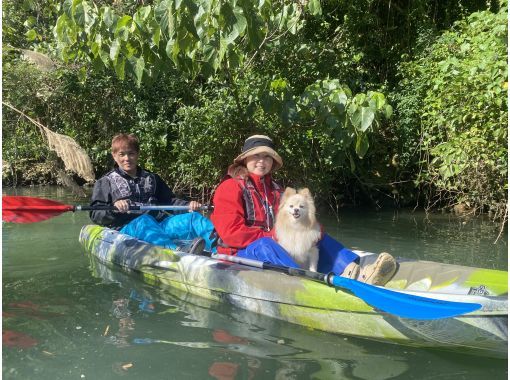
pixel 64 323
pixel 247 342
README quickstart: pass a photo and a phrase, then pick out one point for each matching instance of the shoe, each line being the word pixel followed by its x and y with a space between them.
pixel 197 246
pixel 380 272
pixel 351 271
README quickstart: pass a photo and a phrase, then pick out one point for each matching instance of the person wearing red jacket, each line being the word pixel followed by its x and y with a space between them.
pixel 246 201
pixel 245 205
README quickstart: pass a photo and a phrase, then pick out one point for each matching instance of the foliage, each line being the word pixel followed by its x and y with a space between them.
pixel 29 23
pixel 89 111
pixel 200 76
pixel 455 92
pixel 193 36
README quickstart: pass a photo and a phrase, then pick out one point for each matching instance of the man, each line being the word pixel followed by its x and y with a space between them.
pixel 128 185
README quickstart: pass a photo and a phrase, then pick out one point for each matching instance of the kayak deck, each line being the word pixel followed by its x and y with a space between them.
pixel 315 305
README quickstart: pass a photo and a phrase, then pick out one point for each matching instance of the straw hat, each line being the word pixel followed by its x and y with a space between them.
pixel 259 144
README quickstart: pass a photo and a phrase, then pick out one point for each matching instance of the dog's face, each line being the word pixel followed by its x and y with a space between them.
pixel 297 207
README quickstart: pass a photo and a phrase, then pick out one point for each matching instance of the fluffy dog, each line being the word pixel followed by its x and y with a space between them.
pixel 297 229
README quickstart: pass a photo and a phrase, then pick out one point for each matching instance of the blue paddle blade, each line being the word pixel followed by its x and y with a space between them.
pixel 401 304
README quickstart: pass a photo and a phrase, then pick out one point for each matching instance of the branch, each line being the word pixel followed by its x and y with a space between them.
pixel 73 155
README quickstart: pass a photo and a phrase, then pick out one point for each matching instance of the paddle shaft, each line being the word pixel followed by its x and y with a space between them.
pixel 22 209
pixel 260 264
pixel 43 208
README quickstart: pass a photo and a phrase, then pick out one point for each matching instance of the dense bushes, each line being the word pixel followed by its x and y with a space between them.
pixel 453 105
pixel 315 83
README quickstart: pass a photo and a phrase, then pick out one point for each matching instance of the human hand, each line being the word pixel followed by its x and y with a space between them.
pixel 194 205
pixel 122 205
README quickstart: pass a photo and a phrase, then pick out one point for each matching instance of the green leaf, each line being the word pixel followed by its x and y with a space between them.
pixel 31 35
pixel 388 111
pixel 115 49
pixel 314 7
pixel 120 66
pixel 333 122
pixel 61 26
pixel 122 22
pixel 79 12
pixel 156 36
pixel 30 21
pixel 211 55
pixel 241 23
pixel 109 18
pixel 97 64
pixel 377 100
pixel 353 165
pixel 105 58
pixel 188 23
pixel 362 145
pixel 164 15
pixel 143 12
pixel 139 68
pixel 330 84
pixel 172 51
pixel 67 7
pixel 367 117
pixel 289 112
pixel 234 59
pixel 355 116
pixel 95 48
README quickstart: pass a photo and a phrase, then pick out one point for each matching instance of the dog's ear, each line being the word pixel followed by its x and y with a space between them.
pixel 305 192
pixel 288 192
pixel 311 204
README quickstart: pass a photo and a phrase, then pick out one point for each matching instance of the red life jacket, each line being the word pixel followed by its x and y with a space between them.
pixel 258 211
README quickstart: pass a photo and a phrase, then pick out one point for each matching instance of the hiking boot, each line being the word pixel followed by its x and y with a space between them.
pixel 197 246
pixel 351 271
pixel 380 272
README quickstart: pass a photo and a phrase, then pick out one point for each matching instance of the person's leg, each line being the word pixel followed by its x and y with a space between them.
pixel 334 257
pixel 269 251
pixel 146 228
pixel 188 227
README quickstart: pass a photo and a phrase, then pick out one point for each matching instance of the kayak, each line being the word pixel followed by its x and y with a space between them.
pixel 309 303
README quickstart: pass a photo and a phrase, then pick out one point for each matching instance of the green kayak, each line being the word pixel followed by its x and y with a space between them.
pixel 313 304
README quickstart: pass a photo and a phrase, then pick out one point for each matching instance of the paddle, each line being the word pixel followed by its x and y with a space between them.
pixel 20 209
pixel 391 301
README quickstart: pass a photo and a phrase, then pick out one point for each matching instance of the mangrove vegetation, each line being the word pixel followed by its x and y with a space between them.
pixel 386 103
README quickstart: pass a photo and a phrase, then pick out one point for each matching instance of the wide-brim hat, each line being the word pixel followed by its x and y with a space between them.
pixel 259 144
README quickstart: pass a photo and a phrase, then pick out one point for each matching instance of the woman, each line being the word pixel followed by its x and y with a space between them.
pixel 245 205
pixel 246 201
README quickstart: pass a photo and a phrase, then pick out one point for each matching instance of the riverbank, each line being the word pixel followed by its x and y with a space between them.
pixel 29 173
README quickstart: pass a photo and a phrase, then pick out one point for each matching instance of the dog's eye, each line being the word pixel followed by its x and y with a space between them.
pixel 301 206
pixel 291 206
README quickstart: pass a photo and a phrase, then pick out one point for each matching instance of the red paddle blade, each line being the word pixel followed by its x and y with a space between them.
pixel 19 209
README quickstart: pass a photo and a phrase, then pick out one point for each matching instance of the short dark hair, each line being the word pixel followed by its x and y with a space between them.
pixel 124 139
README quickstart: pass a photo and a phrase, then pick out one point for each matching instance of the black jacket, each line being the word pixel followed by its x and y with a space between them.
pixel 146 189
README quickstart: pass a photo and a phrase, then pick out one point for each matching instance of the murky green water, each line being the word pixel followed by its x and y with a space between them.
pixel 64 318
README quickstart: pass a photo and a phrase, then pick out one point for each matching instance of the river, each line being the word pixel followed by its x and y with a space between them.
pixel 65 317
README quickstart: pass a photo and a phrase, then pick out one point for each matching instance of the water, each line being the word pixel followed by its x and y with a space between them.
pixel 65 317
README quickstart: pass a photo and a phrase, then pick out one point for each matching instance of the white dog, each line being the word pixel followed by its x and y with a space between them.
pixel 297 229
